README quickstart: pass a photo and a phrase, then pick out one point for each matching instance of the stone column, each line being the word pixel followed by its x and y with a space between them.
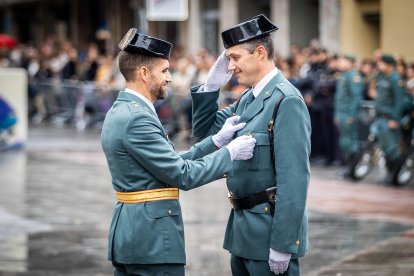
pixel 194 34
pixel 229 16
pixel 279 14
pixel 329 24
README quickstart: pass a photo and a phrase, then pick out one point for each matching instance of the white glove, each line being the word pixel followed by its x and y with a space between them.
pixel 226 133
pixel 241 148
pixel 278 262
pixel 218 74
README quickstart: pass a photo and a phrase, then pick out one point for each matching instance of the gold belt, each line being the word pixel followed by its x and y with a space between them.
pixel 147 195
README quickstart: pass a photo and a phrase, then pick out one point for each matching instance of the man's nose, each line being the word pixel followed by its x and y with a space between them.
pixel 169 77
pixel 231 66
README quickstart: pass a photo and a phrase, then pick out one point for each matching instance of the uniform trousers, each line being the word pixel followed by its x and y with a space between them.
pixel 246 267
pixel 148 269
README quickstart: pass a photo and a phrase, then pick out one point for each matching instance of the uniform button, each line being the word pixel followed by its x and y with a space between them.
pixel 297 242
pixel 224 175
pixel 266 209
pixel 169 212
pixel 281 83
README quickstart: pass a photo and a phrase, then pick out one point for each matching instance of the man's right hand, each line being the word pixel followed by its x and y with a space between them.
pixel 226 133
pixel 218 74
pixel 241 148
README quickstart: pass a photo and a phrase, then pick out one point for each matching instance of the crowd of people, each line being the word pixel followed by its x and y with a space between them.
pixel 313 70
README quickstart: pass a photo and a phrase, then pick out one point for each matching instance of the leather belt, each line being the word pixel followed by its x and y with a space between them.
pixel 249 201
pixel 147 195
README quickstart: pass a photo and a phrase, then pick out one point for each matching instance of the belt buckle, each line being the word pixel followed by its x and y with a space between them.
pixel 230 197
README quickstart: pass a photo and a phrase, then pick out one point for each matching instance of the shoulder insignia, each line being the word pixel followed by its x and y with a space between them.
pixel 267 93
pixel 356 79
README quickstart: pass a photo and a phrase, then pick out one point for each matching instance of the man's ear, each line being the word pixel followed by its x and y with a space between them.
pixel 143 72
pixel 261 52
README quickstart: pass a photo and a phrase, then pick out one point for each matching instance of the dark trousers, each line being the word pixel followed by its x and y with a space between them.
pixel 148 269
pixel 246 267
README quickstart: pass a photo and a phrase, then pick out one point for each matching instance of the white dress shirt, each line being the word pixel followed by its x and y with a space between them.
pixel 263 82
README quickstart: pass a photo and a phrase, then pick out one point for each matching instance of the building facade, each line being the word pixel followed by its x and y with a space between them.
pixel 355 27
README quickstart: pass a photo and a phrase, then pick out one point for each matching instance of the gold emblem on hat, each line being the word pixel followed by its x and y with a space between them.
pixel 127 38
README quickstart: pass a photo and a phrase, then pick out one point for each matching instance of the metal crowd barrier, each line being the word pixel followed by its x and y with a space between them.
pixel 84 104
pixel 71 102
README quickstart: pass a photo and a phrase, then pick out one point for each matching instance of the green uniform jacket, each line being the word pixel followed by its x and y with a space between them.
pixel 348 95
pixel 251 232
pixel 140 157
pixel 390 96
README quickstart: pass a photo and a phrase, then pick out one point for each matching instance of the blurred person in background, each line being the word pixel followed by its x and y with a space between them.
pixel 181 84
pixel 366 71
pixel 407 124
pixel 349 92
pixel 70 68
pixel 309 87
pixel 401 68
pixel 389 97
pixel 410 80
pixel 146 235
pixel 90 66
pixel 325 89
pixel 8 120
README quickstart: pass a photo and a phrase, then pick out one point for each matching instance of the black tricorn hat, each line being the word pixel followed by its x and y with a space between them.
pixel 136 43
pixel 258 26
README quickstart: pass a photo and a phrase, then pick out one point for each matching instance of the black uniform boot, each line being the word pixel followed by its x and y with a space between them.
pixel 346 170
pixel 391 166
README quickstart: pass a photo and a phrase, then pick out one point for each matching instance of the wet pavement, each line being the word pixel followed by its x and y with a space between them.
pixel 56 204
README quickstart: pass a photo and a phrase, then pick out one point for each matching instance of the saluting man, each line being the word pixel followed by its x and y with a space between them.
pixel 348 97
pixel 146 236
pixel 267 227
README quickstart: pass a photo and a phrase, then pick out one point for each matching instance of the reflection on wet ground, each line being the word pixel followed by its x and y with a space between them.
pixel 56 204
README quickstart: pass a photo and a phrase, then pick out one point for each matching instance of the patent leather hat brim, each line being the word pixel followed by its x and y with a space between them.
pixel 257 27
pixel 136 43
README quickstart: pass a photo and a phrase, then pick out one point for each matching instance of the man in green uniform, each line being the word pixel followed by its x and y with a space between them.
pixel 146 235
pixel 389 106
pixel 267 227
pixel 348 97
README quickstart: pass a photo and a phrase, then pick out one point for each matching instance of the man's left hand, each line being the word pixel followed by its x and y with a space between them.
pixel 278 261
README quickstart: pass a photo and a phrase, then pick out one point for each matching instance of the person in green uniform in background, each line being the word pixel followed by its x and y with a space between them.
pixel 267 228
pixel 389 106
pixel 146 235
pixel 348 96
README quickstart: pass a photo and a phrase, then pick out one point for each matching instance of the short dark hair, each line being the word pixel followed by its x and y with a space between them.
pixel 265 41
pixel 129 63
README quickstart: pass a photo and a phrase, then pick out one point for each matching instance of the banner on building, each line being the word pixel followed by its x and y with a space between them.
pixel 167 10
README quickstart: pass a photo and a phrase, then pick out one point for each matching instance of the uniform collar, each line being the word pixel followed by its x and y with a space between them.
pixel 133 92
pixel 264 81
